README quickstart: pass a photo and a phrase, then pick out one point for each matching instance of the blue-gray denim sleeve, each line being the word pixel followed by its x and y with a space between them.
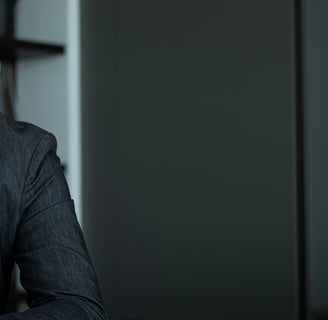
pixel 50 250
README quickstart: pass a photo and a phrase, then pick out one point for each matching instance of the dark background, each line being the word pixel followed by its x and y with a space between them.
pixel 190 178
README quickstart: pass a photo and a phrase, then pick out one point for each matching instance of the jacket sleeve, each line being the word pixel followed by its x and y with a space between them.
pixel 50 251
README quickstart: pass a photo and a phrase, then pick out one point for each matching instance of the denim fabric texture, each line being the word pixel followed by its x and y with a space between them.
pixel 39 230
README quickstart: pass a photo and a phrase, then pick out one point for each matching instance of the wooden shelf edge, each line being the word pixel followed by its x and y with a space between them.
pixel 12 49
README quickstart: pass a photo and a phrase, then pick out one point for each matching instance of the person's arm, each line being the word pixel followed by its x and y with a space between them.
pixel 50 251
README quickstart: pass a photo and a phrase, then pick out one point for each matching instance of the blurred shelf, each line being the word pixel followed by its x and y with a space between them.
pixel 12 49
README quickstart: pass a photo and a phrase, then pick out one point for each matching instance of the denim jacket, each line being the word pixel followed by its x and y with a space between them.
pixel 39 230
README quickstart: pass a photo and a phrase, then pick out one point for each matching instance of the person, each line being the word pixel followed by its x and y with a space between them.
pixel 39 230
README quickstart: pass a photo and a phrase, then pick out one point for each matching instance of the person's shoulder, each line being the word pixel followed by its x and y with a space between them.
pixel 19 133
pixel 22 141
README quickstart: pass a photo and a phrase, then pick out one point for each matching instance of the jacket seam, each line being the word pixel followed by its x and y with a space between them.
pixel 24 185
pixel 27 172
pixel 37 212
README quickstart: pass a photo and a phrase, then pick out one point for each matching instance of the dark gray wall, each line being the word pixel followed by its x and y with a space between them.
pixel 316 84
pixel 100 130
pixel 188 157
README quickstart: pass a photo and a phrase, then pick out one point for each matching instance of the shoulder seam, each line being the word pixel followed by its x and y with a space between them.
pixel 27 172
